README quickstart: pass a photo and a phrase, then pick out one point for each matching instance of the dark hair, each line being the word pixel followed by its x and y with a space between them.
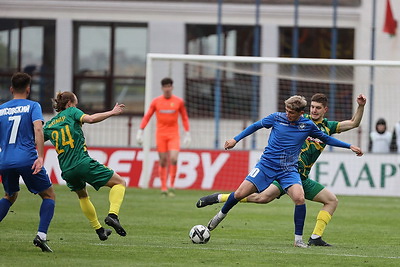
pixel 381 121
pixel 166 81
pixel 20 81
pixel 320 98
pixel 61 100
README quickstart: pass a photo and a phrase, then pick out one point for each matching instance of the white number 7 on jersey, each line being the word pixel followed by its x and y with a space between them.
pixel 14 130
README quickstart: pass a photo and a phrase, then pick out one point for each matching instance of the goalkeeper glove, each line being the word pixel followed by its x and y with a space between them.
pixel 139 137
pixel 187 139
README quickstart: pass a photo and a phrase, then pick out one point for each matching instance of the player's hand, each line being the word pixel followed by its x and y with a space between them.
pixel 118 109
pixel 361 100
pixel 356 150
pixel 230 144
pixel 187 139
pixel 37 165
pixel 139 137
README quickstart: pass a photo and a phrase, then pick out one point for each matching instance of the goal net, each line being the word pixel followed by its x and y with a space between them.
pixel 225 94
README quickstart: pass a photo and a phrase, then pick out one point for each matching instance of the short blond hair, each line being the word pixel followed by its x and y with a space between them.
pixel 296 102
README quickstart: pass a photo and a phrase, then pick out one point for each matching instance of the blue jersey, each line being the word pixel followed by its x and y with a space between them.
pixel 286 140
pixel 17 137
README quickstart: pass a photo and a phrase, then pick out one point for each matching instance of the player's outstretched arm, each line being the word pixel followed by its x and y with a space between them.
pixel 98 117
pixel 356 119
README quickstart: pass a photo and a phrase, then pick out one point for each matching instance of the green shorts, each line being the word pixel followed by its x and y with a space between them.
pixel 311 188
pixel 89 171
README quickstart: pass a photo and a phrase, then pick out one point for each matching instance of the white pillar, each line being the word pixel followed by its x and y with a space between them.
pixel 269 86
pixel 169 38
pixel 64 55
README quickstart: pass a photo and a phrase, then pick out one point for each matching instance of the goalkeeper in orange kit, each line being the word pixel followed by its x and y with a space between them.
pixel 167 108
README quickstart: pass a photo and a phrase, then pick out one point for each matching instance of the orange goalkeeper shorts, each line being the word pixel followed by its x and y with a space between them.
pixel 167 143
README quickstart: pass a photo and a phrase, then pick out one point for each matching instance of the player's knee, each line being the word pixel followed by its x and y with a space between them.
pixel 299 200
pixel 334 201
pixel 330 200
pixel 11 198
pixel 82 193
pixel 123 182
pixel 239 195
pixel 48 193
pixel 117 179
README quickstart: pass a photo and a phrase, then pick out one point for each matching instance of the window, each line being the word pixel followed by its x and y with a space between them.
pixel 28 46
pixel 201 86
pixel 316 43
pixel 110 65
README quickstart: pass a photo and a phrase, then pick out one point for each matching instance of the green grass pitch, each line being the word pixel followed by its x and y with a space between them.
pixel 364 232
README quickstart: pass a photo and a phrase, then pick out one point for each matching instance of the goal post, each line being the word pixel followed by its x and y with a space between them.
pixel 225 94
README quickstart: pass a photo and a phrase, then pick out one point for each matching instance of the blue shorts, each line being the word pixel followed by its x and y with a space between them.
pixel 262 176
pixel 35 183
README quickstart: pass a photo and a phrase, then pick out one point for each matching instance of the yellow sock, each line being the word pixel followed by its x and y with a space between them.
pixel 116 197
pixel 323 219
pixel 224 198
pixel 90 212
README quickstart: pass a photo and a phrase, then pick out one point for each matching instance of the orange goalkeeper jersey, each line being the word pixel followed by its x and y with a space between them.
pixel 167 112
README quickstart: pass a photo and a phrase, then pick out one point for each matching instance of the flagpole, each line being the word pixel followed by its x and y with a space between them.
pixel 332 85
pixel 371 85
pixel 255 80
pixel 295 45
pixel 217 86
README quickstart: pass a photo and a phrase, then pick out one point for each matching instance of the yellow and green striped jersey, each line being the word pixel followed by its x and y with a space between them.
pixel 312 147
pixel 65 132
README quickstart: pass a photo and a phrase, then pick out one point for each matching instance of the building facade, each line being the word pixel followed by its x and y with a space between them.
pixel 98 49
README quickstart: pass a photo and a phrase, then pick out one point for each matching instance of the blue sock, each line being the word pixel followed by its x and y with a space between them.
pixel 232 201
pixel 5 205
pixel 46 214
pixel 299 218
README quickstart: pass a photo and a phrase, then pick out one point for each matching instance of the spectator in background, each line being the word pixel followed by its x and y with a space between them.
pixel 167 108
pixel 380 139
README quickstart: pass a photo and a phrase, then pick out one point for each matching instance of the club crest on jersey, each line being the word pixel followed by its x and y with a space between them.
pixel 302 126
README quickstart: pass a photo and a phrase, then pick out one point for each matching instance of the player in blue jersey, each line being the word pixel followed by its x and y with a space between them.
pixel 21 124
pixel 280 160
pixel 311 150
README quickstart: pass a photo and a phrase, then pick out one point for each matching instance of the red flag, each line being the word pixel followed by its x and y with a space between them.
pixel 390 23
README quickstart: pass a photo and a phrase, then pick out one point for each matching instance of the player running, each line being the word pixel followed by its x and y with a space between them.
pixel 65 132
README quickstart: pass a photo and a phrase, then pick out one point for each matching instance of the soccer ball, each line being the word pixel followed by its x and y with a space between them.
pixel 199 234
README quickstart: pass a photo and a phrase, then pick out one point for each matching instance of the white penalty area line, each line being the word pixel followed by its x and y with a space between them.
pixel 301 250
